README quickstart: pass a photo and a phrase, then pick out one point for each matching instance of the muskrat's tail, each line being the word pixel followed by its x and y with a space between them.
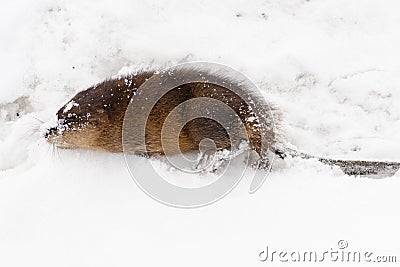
pixel 351 167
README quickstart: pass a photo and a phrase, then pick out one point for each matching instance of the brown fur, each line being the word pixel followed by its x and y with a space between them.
pixel 95 122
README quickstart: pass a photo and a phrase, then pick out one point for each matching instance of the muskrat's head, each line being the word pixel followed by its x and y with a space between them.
pixel 93 118
pixel 76 127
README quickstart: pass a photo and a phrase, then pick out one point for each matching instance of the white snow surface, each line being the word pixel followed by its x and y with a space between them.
pixel 331 66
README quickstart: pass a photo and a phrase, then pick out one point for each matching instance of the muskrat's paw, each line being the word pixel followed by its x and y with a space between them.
pixel 263 163
pixel 211 161
pixel 144 155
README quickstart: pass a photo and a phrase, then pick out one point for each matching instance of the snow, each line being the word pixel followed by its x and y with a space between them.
pixel 331 66
pixel 69 105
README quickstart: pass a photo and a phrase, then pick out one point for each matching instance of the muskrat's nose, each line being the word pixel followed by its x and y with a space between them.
pixel 51 132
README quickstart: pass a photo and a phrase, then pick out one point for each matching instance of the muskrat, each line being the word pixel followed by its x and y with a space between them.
pixel 93 119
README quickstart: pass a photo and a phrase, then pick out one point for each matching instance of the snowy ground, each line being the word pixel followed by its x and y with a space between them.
pixel 332 66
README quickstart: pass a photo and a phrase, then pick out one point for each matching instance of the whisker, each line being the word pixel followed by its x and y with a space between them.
pixel 39 120
pixel 31 133
pixel 33 130
pixel 28 127
pixel 58 153
pixel 47 152
pixel 52 152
